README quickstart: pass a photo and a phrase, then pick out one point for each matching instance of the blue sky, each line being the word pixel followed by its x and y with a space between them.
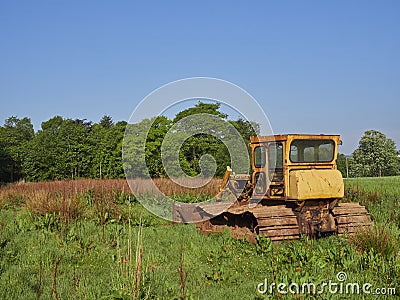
pixel 314 66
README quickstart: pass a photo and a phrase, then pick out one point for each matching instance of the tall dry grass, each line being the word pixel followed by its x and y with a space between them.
pixel 66 196
pixel 68 188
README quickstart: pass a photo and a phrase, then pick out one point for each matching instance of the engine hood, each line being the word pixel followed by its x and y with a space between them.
pixel 315 184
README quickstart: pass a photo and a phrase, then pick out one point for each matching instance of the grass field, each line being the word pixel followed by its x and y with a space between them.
pixel 380 195
pixel 97 242
pixel 388 186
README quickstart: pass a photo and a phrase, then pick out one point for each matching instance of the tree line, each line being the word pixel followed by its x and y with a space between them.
pixel 66 148
pixel 61 149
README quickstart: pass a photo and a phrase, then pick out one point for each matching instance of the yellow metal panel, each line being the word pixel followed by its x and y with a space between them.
pixel 225 178
pixel 315 184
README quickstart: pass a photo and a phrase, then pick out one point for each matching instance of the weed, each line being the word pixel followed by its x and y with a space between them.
pixel 378 239
pixel 138 264
pixel 182 275
pixel 40 280
pixel 54 289
pixel 263 245
pixel 76 280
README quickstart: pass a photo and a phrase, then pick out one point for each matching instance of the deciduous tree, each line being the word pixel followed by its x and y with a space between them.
pixel 376 155
pixel 14 137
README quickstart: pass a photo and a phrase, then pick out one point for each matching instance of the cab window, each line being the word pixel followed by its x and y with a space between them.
pixel 260 183
pixel 275 155
pixel 312 151
pixel 275 161
pixel 259 156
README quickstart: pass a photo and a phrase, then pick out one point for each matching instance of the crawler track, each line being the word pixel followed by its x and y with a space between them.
pixel 276 222
pixel 351 217
pixel 280 222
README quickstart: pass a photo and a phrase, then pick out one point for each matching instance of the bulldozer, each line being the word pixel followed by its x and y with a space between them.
pixel 294 189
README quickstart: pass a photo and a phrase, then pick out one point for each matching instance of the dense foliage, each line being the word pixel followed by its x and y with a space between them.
pixel 62 148
pixel 70 149
pixel 375 156
pixel 14 138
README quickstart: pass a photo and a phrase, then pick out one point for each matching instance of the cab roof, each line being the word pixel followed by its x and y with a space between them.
pixel 285 137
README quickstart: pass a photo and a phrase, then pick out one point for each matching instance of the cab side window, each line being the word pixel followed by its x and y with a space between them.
pixel 259 157
pixel 275 161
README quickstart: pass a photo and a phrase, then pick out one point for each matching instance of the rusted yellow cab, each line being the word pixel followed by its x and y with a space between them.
pixel 293 189
pixel 296 167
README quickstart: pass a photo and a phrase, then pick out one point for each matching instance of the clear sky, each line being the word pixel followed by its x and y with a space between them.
pixel 314 66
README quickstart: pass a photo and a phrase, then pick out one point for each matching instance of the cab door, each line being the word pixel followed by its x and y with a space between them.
pixel 275 165
pixel 259 170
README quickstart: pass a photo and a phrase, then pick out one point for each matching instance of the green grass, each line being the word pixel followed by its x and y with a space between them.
pixel 381 196
pixel 97 255
pixel 217 266
pixel 385 186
